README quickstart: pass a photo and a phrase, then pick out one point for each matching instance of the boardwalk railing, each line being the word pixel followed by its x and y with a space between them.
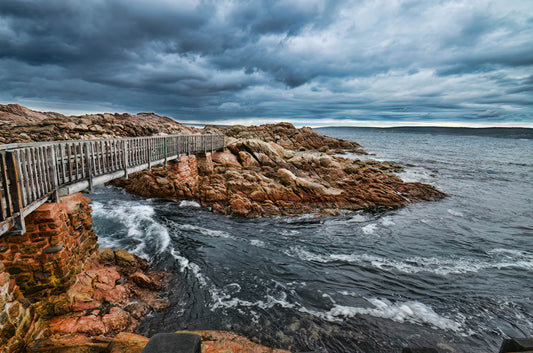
pixel 32 173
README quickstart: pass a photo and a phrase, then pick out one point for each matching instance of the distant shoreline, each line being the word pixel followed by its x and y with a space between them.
pixel 498 132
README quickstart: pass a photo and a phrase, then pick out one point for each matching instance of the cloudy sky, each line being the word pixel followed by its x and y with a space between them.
pixel 312 62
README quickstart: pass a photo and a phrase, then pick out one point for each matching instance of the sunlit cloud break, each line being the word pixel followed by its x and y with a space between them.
pixel 317 63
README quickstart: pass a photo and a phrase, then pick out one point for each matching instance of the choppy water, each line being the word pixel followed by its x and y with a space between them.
pixel 457 272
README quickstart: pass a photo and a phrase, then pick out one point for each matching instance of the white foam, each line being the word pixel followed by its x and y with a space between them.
pixel 185 265
pixel 387 221
pixel 455 213
pixel 410 311
pixel 357 219
pixel 415 174
pixel 205 231
pixel 439 266
pixel 140 223
pixel 302 254
pixel 258 243
pixel 369 229
pixel 187 203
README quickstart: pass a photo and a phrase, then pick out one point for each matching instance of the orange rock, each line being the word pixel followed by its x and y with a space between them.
pixel 229 342
pixel 226 159
pixel 126 342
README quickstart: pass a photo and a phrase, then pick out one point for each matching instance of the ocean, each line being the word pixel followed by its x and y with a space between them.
pixel 455 274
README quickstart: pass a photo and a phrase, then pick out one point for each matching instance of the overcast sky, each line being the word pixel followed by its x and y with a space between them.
pixel 382 62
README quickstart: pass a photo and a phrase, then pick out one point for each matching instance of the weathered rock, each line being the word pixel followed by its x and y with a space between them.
pixel 126 342
pixel 144 281
pixel 20 124
pixel 228 342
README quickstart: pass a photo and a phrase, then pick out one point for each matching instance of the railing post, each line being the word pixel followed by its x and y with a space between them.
pixel 15 191
pixel 165 148
pixel 125 146
pixel 52 165
pixel 149 144
pixel 89 163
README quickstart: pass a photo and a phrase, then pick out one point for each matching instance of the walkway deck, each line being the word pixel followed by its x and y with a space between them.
pixel 33 173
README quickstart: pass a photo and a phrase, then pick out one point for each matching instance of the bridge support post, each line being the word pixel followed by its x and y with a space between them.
pixel 46 258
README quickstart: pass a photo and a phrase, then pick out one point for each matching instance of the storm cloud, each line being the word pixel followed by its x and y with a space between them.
pixel 307 61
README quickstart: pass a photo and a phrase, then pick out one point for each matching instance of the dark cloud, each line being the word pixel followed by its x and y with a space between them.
pixel 314 60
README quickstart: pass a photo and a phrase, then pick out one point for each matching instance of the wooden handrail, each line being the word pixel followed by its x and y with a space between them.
pixel 32 173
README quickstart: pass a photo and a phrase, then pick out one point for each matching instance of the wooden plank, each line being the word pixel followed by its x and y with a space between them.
pixel 25 180
pixel 35 173
pixel 4 199
pixel 99 158
pixel 46 168
pixel 89 159
pixel 31 181
pixel 83 167
pixel 69 159
pixel 13 173
pixel 75 167
pixel 9 208
pixel 30 175
pixel 62 164
pixel 118 155
pixel 52 164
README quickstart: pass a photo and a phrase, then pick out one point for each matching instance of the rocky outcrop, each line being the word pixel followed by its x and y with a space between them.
pixel 254 178
pixel 19 321
pixel 20 124
pixel 212 342
pixel 111 295
pixel 287 136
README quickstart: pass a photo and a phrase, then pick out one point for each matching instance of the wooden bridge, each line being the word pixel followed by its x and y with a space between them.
pixel 33 173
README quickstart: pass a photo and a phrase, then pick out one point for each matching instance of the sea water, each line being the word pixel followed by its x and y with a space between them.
pixel 456 274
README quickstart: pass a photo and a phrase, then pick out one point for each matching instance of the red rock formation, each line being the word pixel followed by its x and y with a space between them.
pixel 19 321
pixel 111 295
pixel 58 239
pixel 255 178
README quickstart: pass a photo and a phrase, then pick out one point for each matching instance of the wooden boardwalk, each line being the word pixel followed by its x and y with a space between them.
pixel 33 173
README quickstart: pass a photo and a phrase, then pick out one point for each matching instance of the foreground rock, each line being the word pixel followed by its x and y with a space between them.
pixel 255 178
pixel 212 342
pixel 111 295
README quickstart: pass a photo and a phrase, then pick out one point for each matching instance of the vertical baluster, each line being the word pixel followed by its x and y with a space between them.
pixel 83 161
pixel 22 176
pixel 69 158
pixel 100 158
pixel 38 174
pixel 75 159
pixel 3 191
pixel 5 176
pixel 33 174
pixel 52 168
pixel 26 178
pixel 49 185
pixel 42 170
pixel 89 160
pixel 13 172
